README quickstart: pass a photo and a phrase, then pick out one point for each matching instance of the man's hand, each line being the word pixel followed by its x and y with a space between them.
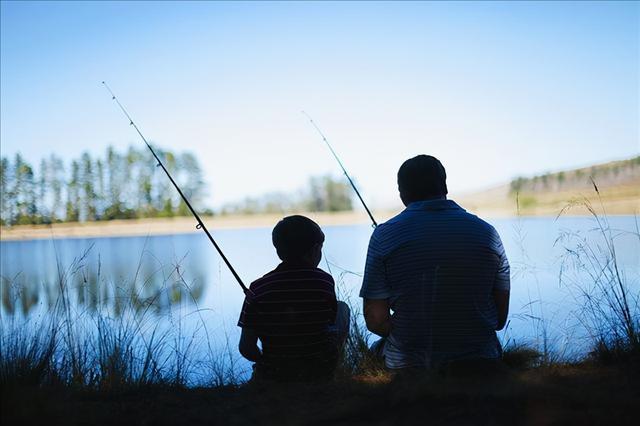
pixel 501 300
pixel 377 316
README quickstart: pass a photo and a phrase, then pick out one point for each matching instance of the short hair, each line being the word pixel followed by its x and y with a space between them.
pixel 294 236
pixel 422 177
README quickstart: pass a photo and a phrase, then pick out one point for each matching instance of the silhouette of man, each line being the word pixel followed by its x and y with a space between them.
pixel 293 310
pixel 442 272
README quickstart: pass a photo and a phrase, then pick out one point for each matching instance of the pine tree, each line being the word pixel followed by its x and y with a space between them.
pixel 73 194
pixel 56 183
pixel 88 195
pixel 24 189
pixel 100 189
pixel 6 194
pixel 113 210
pixel 42 200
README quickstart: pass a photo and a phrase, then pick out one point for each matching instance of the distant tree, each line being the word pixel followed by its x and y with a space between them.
pixel 42 204
pixel 324 193
pixel 328 194
pixel 101 189
pixel 118 186
pixel 7 202
pixel 561 178
pixel 146 168
pixel 517 184
pixel 24 188
pixel 193 182
pixel 317 199
pixel 338 193
pixel 73 194
pixel 114 208
pixel 88 196
pixel 56 183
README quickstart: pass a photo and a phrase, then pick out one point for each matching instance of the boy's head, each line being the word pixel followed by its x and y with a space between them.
pixel 298 239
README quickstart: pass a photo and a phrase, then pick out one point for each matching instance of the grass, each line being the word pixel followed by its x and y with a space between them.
pixel 609 310
pixel 123 346
pixel 88 367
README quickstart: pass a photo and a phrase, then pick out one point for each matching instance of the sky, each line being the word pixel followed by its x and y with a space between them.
pixel 494 90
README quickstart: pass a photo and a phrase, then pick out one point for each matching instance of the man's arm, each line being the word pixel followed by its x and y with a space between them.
pixel 502 284
pixel 501 300
pixel 375 290
pixel 249 345
pixel 377 316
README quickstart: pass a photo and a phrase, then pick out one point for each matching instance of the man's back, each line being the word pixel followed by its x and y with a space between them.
pixel 438 266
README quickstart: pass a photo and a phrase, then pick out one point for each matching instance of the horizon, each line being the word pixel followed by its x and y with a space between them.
pixel 546 87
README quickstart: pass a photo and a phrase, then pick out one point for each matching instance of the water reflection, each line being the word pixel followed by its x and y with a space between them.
pixel 151 274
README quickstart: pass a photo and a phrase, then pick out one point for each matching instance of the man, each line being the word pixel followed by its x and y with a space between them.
pixel 293 310
pixel 442 271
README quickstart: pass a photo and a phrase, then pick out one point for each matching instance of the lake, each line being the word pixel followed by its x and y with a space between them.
pixel 179 280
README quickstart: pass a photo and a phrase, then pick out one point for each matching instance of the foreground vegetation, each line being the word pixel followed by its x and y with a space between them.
pixel 584 394
pixel 80 367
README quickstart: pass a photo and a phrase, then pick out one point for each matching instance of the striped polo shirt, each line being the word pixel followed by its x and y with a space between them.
pixel 438 266
pixel 291 310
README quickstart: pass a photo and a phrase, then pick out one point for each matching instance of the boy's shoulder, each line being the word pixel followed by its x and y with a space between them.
pixel 287 274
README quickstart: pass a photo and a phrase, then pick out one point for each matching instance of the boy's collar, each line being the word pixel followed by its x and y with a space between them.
pixel 289 265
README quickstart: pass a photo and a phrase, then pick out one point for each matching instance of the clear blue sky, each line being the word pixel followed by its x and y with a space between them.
pixel 494 90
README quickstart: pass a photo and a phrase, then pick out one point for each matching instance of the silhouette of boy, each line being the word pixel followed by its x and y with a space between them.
pixel 293 310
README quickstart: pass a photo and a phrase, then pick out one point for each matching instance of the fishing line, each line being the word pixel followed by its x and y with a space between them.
pixel 200 224
pixel 353 185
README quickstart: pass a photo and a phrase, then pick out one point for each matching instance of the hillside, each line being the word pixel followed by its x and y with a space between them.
pixel 618 184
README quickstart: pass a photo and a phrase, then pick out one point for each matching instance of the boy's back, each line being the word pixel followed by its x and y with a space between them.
pixel 291 309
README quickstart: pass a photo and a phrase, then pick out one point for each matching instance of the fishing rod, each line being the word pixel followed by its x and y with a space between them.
pixel 353 185
pixel 200 224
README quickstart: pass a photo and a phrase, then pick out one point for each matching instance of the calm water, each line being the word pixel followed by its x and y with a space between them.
pixel 183 279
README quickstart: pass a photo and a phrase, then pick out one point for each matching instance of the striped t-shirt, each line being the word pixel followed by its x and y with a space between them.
pixel 292 310
pixel 438 266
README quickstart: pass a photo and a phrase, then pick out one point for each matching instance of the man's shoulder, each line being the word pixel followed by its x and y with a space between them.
pixel 442 219
pixel 390 226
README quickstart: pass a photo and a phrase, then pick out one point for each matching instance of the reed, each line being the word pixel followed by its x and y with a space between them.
pixel 116 346
pixel 608 305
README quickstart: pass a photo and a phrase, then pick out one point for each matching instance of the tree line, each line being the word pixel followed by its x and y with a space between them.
pixel 127 185
pixel 322 194
pixel 118 185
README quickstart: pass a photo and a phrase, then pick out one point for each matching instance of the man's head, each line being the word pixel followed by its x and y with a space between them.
pixel 421 178
pixel 298 239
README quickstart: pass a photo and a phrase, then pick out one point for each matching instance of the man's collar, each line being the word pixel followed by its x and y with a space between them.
pixel 438 204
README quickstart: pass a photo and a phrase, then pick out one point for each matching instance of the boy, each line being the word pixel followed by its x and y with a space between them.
pixel 293 310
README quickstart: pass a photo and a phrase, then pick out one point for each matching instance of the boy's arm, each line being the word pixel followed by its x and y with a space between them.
pixel 249 345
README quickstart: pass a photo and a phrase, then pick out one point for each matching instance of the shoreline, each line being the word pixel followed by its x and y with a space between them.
pixel 166 226
pixel 187 224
